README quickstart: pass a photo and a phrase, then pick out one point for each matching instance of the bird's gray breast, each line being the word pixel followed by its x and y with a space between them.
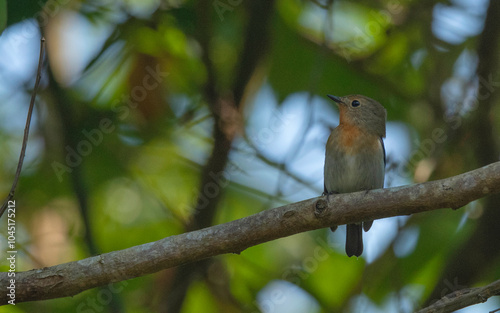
pixel 353 172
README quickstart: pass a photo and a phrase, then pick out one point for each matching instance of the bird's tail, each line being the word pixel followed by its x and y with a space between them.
pixel 354 240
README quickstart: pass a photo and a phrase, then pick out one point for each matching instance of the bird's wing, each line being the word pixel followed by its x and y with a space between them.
pixel 383 148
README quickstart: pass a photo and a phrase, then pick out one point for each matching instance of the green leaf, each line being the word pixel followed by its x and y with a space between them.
pixel 21 10
pixel 310 68
pixel 3 15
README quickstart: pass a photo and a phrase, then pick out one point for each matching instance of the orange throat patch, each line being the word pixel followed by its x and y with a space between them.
pixel 353 140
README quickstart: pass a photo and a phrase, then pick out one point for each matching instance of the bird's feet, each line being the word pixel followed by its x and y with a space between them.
pixel 328 194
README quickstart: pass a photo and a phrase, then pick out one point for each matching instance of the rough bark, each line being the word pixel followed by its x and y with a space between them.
pixel 233 237
pixel 463 298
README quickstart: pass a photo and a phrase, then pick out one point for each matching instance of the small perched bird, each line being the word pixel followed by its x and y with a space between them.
pixel 355 156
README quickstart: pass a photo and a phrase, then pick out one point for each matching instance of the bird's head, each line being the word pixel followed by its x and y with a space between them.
pixel 362 112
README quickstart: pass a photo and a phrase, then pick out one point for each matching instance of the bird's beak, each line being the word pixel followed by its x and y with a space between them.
pixel 334 98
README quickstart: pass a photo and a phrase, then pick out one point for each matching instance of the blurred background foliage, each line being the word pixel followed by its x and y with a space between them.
pixel 160 117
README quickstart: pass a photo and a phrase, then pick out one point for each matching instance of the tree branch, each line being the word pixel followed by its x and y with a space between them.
pixel 463 298
pixel 10 196
pixel 233 237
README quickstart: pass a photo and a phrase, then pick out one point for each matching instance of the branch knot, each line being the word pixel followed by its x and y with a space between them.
pixel 320 207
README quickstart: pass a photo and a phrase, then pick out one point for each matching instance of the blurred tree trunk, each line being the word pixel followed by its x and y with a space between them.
pixel 227 123
pixel 481 251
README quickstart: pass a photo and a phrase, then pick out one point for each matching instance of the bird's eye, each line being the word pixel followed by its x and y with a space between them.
pixel 355 103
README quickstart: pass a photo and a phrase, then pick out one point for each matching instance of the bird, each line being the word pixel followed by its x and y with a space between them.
pixel 355 156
